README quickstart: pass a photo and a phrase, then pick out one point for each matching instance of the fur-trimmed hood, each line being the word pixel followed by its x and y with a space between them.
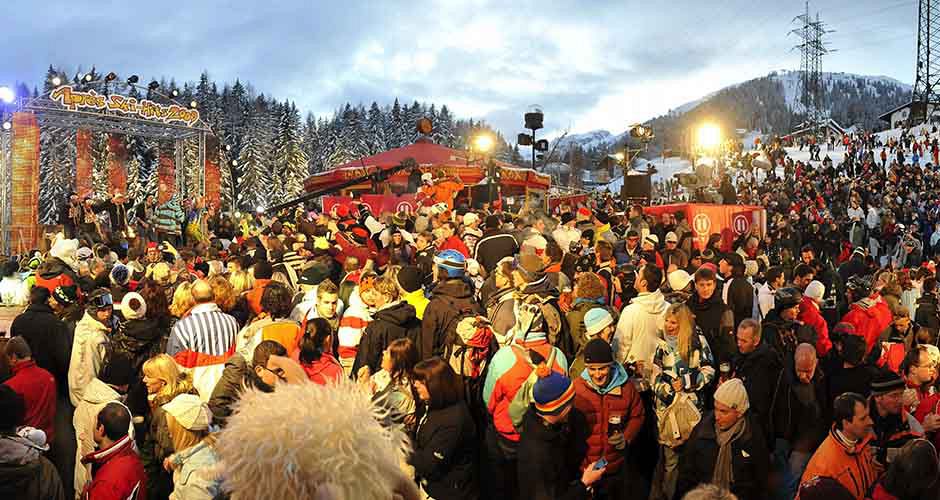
pixel 311 441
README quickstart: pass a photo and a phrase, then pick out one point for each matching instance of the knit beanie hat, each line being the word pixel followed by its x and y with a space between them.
pixel 596 320
pixel 815 290
pixel 886 381
pixel 120 275
pixel 190 412
pixel 409 278
pixel 530 267
pixel 133 306
pixel 552 392
pixel 567 217
pixel 598 350
pixel 65 295
pixel 469 218
pixel 733 394
pixel 679 279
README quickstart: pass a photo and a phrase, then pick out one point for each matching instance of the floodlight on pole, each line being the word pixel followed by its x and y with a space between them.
pixel 7 95
pixel 708 136
pixel 483 143
pixel 56 81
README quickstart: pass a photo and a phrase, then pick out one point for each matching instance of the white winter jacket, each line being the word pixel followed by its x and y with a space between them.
pixel 637 333
pixel 765 299
pixel 96 396
pixel 88 352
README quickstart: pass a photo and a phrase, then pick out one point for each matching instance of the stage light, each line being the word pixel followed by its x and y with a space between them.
pixel 154 85
pixel 709 136
pixel 56 81
pixel 533 117
pixel 133 79
pixel 483 143
pixel 193 104
pixel 228 147
pixel 7 95
pixel 238 215
pixel 111 77
pixel 88 77
pixel 7 125
pixel 234 163
pixel 260 210
pixel 175 93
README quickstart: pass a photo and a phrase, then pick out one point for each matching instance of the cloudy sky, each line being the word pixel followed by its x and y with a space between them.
pixel 591 64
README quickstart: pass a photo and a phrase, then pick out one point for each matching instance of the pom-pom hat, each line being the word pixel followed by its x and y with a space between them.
pixel 553 392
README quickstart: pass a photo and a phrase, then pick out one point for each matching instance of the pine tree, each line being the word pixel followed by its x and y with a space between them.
pixel 254 179
pixel 311 143
pixel 393 127
pixel 444 128
pixel 291 166
pixel 376 130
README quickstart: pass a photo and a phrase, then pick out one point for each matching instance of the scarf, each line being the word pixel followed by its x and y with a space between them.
pixel 723 475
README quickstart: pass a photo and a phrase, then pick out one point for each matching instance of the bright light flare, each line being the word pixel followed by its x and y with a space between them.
pixel 7 95
pixel 56 81
pixel 619 156
pixel 7 125
pixel 709 136
pixel 483 143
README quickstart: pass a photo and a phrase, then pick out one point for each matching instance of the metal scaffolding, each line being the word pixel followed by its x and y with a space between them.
pixel 49 113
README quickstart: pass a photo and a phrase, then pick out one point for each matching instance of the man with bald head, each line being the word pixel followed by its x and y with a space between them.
pixel 802 412
pixel 203 339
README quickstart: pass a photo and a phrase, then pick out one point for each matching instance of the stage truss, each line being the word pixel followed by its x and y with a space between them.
pixel 51 114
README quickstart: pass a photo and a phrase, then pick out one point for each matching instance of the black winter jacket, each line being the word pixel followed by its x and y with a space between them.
pixel 716 320
pixel 762 374
pixel 450 299
pixel 927 315
pixel 396 321
pixel 740 299
pixel 546 464
pixel 493 247
pixel 236 376
pixel 750 462
pixel 444 453
pixel 49 339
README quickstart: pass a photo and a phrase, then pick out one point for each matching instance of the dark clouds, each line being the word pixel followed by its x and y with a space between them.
pixel 590 64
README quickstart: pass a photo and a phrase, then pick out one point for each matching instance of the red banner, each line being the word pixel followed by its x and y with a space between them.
pixel 213 175
pixel 730 221
pixel 117 163
pixel 83 163
pixel 377 203
pixel 166 173
pixel 24 223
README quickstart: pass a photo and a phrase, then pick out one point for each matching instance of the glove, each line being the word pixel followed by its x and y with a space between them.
pixel 617 440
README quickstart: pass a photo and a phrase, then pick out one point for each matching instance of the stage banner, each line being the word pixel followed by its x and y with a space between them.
pixel 166 172
pixel 117 163
pixel 24 223
pixel 730 221
pixel 83 163
pixel 377 203
pixel 213 175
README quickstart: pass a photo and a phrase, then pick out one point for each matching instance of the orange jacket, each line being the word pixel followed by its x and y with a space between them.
pixel 854 467
pixel 254 296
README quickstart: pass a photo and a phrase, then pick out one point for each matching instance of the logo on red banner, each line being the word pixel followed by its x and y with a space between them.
pixel 701 224
pixel 740 224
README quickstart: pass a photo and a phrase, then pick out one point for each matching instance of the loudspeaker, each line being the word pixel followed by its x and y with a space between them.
pixel 636 188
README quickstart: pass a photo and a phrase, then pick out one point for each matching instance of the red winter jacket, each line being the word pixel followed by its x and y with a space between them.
pixel 810 315
pixel 454 243
pixel 870 317
pixel 37 388
pixel 592 415
pixel 118 473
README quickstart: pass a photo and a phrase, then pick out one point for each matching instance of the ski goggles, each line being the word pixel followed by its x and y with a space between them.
pixel 102 301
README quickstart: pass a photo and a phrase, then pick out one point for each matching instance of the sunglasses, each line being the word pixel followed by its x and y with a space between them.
pixel 278 372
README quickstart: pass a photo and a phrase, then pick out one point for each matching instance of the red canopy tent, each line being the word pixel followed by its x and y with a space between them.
pixel 432 158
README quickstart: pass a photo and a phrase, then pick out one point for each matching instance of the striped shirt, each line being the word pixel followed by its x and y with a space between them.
pixel 205 330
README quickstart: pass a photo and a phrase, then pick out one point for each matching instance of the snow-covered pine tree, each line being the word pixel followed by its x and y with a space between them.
pixel 291 166
pixel 376 130
pixel 409 130
pixel 444 128
pixel 311 143
pixel 393 127
pixel 254 180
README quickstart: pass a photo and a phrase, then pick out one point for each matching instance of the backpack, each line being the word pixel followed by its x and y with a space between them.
pixel 524 398
pixel 472 347
pixel 444 347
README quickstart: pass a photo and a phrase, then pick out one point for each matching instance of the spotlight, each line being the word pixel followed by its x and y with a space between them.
pixel 260 210
pixel 234 163
pixel 133 79
pixel 154 85
pixel 7 125
pixel 7 95
pixel 228 147
pixel 175 93
pixel 483 143
pixel 193 104
pixel 56 81
pixel 111 77
pixel 88 77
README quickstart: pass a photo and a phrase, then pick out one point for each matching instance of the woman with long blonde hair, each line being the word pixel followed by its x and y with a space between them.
pixel 192 463
pixel 165 380
pixel 183 300
pixel 683 363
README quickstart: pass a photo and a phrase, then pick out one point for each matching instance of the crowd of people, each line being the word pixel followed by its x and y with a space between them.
pixel 595 352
